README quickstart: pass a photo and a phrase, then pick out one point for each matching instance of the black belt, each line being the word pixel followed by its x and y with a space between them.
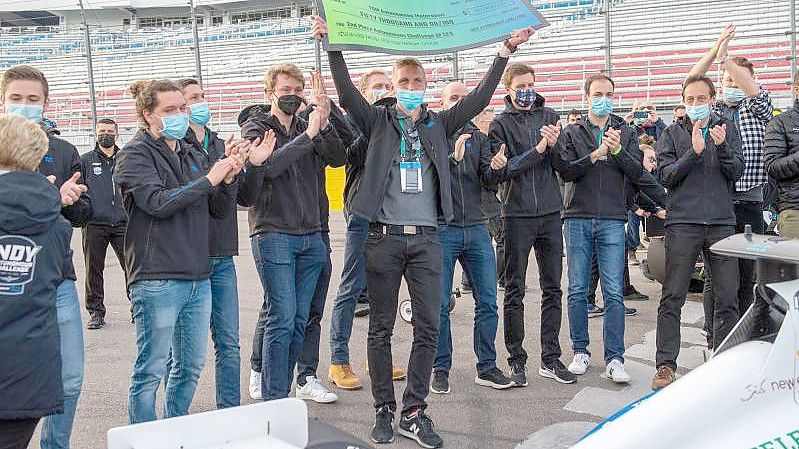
pixel 388 229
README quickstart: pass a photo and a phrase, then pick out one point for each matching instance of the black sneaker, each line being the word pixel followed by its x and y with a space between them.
pixel 494 378
pixel 383 430
pixel 361 309
pixel 419 427
pixel 96 322
pixel 629 311
pixel 440 382
pixel 635 295
pixel 517 375
pixel 595 311
pixel 557 370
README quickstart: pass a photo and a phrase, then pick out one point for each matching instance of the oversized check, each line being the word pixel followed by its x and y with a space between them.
pixel 423 26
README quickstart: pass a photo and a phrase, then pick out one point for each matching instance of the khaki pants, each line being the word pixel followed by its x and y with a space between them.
pixel 788 224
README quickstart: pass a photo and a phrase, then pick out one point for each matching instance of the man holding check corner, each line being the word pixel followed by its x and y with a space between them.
pixel 404 189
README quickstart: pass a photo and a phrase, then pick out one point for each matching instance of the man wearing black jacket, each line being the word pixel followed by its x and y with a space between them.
pixel 286 220
pixel 25 92
pixel 170 194
pixel 699 162
pixel 531 213
pixel 108 222
pixel 404 190
pixel 782 163
pixel 467 240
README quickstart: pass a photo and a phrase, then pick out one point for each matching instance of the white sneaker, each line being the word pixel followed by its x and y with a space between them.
pixel 615 371
pixel 580 363
pixel 315 391
pixel 255 385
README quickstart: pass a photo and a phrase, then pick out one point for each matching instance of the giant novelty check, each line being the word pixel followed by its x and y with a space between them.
pixel 423 26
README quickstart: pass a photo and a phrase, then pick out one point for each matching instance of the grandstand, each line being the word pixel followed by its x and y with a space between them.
pixel 654 43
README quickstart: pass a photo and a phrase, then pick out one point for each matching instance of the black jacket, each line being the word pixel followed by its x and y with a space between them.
pixel 531 186
pixel 782 157
pixel 168 200
pixel 470 177
pixel 287 192
pixel 598 190
pixel 97 171
pixel 34 248
pixel 700 187
pixel 380 125
pixel 223 232
pixel 62 161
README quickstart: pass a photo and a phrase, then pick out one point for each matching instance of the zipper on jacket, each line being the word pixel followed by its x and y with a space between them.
pixel 460 186
pixel 532 148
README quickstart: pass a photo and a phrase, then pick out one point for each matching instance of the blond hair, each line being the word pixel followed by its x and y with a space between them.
pixel 407 62
pixel 23 143
pixel 23 72
pixel 285 68
pixel 145 92
pixel 363 82
pixel 515 69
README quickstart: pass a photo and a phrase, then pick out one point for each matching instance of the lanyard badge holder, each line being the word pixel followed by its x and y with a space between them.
pixel 410 171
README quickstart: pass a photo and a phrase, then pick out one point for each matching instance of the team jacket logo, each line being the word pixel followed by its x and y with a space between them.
pixel 17 263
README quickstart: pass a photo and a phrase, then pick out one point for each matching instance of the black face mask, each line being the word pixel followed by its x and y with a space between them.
pixel 289 103
pixel 679 119
pixel 106 140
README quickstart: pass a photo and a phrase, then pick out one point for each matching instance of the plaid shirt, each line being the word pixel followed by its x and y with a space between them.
pixel 751 116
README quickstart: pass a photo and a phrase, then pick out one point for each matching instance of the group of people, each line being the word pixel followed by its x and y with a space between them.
pixel 424 189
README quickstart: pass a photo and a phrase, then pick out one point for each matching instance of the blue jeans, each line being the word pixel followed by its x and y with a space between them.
pixel 308 360
pixel 352 283
pixel 225 331
pixel 584 237
pixel 169 314
pixel 471 245
pixel 289 266
pixel 632 234
pixel 57 429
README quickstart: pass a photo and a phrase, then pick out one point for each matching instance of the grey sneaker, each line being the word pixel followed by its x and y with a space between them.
pixel 517 374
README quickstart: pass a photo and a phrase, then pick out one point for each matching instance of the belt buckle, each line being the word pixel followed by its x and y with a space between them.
pixel 408 229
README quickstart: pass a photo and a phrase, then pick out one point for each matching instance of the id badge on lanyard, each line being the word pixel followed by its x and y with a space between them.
pixel 411 177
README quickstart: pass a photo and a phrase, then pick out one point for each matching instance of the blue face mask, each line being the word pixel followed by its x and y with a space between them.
pixel 601 106
pixel 410 99
pixel 33 112
pixel 175 126
pixel 200 114
pixel 525 98
pixel 733 95
pixel 698 113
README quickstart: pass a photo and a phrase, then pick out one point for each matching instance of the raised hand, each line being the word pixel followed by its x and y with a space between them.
pixel 261 149
pixel 551 133
pixel 233 144
pixel 723 41
pixel 521 36
pixel 315 120
pixel 500 160
pixel 219 171
pixel 460 147
pixel 612 139
pixel 71 190
pixel 718 133
pixel 317 84
pixel 318 27
pixel 697 139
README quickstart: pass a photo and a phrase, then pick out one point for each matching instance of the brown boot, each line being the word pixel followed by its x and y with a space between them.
pixel 343 377
pixel 397 373
pixel 663 378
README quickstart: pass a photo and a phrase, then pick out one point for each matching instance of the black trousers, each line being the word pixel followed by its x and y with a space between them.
pixel 544 235
pixel 389 258
pixel 16 433
pixel 745 213
pixel 96 239
pixel 683 245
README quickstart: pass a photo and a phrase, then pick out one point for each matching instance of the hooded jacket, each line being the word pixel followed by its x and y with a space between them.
pixel 286 193
pixel 598 190
pixel 97 171
pixel 380 125
pixel 471 176
pixel 701 187
pixel 169 203
pixel 34 248
pixel 531 186
pixel 782 157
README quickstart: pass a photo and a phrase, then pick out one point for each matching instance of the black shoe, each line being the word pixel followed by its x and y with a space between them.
pixel 629 311
pixel 635 295
pixel 96 322
pixel 495 379
pixel 361 309
pixel 595 311
pixel 383 430
pixel 419 427
pixel 517 374
pixel 440 382
pixel 557 370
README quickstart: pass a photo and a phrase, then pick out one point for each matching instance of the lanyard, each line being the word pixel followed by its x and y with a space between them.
pixel 206 141
pixel 705 130
pixel 404 143
pixel 602 135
